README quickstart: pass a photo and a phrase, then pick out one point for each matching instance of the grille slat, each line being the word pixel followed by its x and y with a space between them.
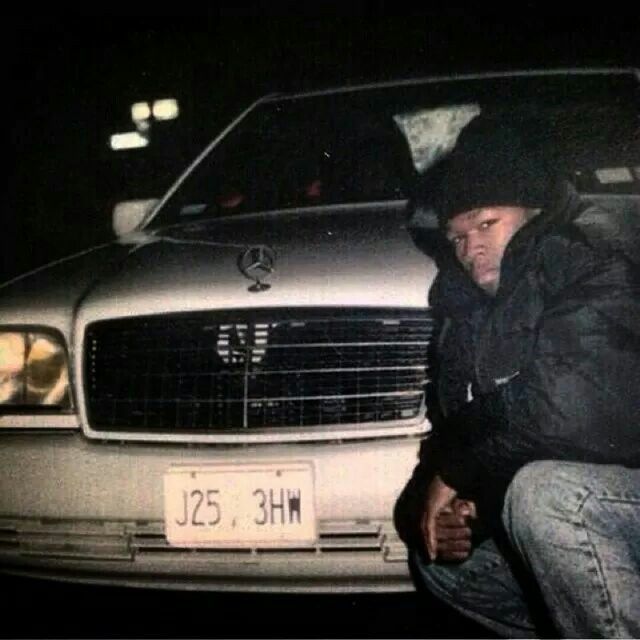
pixel 207 372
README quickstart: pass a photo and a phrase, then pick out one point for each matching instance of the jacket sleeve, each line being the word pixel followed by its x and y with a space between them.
pixel 576 396
pixel 409 507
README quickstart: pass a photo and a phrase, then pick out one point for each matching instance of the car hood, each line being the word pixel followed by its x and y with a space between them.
pixel 360 256
pixel 49 295
pixel 363 257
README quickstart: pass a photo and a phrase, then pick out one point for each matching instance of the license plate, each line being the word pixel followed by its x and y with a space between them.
pixel 235 505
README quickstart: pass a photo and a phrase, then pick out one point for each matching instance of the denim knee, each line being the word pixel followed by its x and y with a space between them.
pixel 569 523
pixel 537 494
pixel 547 492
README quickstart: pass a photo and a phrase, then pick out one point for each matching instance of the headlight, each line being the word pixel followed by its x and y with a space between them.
pixel 33 371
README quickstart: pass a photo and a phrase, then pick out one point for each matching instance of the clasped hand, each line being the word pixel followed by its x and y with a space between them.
pixel 445 523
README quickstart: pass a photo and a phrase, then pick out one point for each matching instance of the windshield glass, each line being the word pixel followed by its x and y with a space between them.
pixel 367 145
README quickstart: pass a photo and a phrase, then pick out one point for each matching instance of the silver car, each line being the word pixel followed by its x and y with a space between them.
pixel 231 395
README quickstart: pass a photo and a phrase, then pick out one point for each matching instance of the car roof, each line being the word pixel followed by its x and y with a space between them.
pixel 453 78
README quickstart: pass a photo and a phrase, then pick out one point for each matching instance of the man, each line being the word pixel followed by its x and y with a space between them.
pixel 531 477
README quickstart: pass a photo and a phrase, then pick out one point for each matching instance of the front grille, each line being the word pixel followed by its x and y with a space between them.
pixel 206 372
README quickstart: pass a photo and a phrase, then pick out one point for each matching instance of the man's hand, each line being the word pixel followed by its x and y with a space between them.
pixel 440 497
pixel 452 531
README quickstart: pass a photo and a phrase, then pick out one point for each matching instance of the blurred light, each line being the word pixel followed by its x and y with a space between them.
pixel 13 351
pixel 129 140
pixel 33 370
pixel 140 111
pixel 612 175
pixel 165 109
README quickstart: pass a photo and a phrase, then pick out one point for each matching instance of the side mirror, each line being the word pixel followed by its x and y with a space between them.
pixel 130 214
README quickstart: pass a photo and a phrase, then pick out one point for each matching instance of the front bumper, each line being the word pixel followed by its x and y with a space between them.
pixel 77 510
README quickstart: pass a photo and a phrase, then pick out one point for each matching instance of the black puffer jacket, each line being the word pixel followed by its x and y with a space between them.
pixel 548 369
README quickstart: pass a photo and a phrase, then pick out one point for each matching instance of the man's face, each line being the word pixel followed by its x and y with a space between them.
pixel 479 238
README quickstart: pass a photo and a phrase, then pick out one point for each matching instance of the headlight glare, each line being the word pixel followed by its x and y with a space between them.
pixel 33 371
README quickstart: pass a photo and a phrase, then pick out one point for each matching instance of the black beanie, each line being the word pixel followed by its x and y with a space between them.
pixel 489 165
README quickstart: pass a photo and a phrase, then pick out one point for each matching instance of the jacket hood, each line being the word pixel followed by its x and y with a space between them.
pixel 455 294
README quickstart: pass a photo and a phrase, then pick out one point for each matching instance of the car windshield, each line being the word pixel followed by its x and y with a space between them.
pixel 366 145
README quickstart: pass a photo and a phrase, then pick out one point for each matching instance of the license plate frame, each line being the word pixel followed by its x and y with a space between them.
pixel 238 505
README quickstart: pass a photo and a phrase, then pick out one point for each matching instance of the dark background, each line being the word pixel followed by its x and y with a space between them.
pixel 70 81
pixel 40 609
pixel 68 85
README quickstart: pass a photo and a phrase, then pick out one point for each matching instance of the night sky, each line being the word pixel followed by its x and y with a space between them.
pixel 70 83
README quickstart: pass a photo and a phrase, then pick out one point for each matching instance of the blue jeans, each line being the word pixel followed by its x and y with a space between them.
pixel 573 543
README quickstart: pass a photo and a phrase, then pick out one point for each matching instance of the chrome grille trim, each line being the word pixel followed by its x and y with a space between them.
pixel 207 374
pixel 127 540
